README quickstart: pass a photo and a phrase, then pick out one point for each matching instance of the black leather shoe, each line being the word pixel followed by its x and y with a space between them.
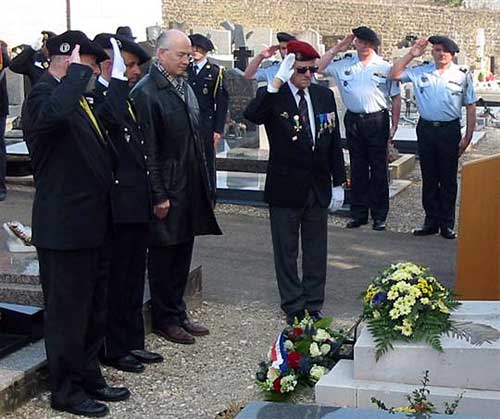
pixel 110 394
pixel 146 357
pixel 378 225
pixel 356 223
pixel 89 408
pixel 128 363
pixel 425 230
pixel 448 233
pixel 316 316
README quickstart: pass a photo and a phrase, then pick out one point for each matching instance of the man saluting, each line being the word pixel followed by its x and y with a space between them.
pixel 71 221
pixel 305 157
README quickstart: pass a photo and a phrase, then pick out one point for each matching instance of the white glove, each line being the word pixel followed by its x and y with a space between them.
pixel 337 199
pixel 284 72
pixel 37 43
pixel 119 68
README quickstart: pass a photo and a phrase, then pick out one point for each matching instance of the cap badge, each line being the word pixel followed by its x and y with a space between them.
pixel 64 48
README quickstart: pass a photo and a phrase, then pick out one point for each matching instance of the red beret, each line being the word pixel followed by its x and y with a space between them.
pixel 302 50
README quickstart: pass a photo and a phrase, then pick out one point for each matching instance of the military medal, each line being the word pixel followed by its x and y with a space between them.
pixel 205 91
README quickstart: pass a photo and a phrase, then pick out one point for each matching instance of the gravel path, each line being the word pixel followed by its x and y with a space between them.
pixel 198 381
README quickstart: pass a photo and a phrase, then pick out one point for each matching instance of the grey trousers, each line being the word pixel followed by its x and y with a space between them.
pixel 310 223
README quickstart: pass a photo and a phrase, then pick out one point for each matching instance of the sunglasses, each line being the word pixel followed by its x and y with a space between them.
pixel 303 70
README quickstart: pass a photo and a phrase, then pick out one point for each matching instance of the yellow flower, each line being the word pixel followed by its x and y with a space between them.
pixel 407 330
pixel 443 308
pixel 394 313
pixel 406 409
pixel 392 294
pixel 425 301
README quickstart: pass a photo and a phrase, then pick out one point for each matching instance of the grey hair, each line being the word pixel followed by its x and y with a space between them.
pixel 164 40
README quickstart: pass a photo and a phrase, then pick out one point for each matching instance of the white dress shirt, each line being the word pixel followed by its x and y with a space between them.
pixel 312 121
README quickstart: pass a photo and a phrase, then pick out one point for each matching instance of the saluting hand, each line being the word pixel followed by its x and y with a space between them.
pixel 418 48
pixel 345 43
pixel 269 51
pixel 75 55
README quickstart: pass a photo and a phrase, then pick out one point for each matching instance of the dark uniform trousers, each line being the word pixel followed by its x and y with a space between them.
pixel 125 325
pixel 310 223
pixel 168 271
pixel 75 317
pixel 367 136
pixel 438 152
pixel 3 154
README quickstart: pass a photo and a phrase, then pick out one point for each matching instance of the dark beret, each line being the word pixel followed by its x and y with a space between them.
pixel 125 44
pixel 302 50
pixel 64 43
pixel 366 34
pixel 284 37
pixel 201 41
pixel 448 45
pixel 126 32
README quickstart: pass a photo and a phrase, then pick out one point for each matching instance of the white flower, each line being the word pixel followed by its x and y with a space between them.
pixel 321 335
pixel 325 348
pixel 317 372
pixel 288 345
pixel 288 383
pixel 314 350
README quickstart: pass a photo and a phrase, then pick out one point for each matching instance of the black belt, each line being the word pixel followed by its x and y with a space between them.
pixel 427 123
pixel 367 115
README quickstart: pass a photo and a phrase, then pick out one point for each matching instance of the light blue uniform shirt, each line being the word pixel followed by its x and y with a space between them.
pixel 440 97
pixel 364 88
pixel 267 74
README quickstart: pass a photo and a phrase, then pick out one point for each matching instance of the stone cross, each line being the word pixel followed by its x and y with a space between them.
pixel 241 56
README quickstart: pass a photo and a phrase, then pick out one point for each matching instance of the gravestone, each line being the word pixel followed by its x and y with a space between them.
pixel 15 89
pixel 181 26
pixel 241 91
pixel 260 38
pixel 314 38
pixel 237 33
pixel 241 56
pixel 219 37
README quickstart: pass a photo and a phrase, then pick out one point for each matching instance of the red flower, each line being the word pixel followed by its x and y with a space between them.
pixel 294 359
pixel 277 385
pixel 297 331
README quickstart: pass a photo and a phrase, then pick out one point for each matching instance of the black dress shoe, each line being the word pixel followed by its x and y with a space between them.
pixel 425 230
pixel 316 316
pixel 378 225
pixel 146 357
pixel 89 408
pixel 356 223
pixel 448 233
pixel 128 363
pixel 110 394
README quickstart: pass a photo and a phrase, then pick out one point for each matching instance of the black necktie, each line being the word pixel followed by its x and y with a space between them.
pixel 304 116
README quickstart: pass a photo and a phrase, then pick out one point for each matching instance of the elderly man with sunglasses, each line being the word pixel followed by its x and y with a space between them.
pixel 365 88
pixel 305 158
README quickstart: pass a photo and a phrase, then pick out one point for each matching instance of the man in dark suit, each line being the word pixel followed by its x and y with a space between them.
pixel 32 60
pixel 182 193
pixel 130 203
pixel 4 111
pixel 73 175
pixel 207 81
pixel 305 157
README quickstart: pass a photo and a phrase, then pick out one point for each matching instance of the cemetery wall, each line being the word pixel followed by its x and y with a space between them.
pixel 391 19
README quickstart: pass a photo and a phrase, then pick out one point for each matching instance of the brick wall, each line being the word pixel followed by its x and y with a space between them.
pixel 390 18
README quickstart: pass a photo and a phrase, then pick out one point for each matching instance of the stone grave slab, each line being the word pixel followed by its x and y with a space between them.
pixel 268 410
pixel 257 38
pixel 462 368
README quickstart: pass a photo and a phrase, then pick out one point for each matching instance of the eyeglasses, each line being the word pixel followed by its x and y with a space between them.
pixel 303 70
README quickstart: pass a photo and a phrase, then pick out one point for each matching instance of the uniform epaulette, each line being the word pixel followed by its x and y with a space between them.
pixel 464 70
pixel 337 59
pixel 347 55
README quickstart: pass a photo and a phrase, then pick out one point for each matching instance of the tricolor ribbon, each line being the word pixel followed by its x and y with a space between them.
pixel 279 355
